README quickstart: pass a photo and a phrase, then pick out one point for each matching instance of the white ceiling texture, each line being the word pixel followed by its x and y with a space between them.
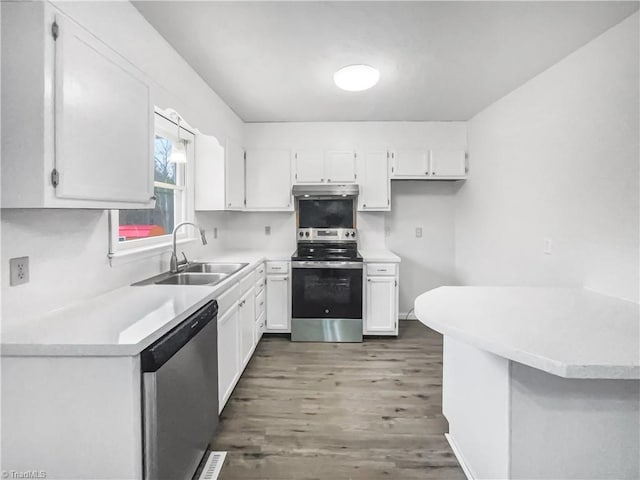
pixel 274 61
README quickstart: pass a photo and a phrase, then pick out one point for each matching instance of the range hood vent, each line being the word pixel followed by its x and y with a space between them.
pixel 347 190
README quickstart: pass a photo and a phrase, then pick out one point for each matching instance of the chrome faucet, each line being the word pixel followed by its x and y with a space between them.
pixel 174 264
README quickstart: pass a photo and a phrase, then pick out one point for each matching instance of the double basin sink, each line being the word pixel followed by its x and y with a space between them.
pixel 196 273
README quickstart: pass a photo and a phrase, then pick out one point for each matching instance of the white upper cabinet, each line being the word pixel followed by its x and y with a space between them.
pixel 448 164
pixel 340 166
pixel 103 121
pixel 77 126
pixel 309 166
pixel 319 166
pixel 268 179
pixel 373 177
pixel 234 176
pixel 209 174
pixel 410 163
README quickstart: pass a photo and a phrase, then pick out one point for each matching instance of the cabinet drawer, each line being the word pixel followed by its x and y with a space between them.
pixel 261 326
pixel 227 299
pixel 374 269
pixel 277 267
pixel 260 303
pixel 247 282
pixel 260 282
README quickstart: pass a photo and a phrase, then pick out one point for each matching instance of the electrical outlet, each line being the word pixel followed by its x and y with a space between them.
pixel 548 244
pixel 387 231
pixel 19 268
pixel 418 232
pixel 267 230
pixel 215 232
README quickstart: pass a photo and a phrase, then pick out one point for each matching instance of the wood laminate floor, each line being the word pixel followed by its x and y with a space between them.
pixel 329 411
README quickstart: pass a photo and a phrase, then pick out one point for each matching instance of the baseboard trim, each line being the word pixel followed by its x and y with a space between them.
pixel 459 457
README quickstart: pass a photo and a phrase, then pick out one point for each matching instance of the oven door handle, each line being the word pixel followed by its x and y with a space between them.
pixel 312 264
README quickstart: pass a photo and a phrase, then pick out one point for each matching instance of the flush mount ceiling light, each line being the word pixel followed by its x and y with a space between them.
pixel 356 78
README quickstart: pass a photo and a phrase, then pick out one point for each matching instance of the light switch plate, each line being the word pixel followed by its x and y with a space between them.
pixel 267 230
pixel 418 232
pixel 548 246
pixel 19 268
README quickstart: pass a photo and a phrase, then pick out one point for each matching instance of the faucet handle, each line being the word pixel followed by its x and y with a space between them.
pixel 185 259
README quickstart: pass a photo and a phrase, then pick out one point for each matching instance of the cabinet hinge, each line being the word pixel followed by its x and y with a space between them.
pixel 395 282
pixel 55 30
pixel 55 178
pixel 296 176
pixel 245 155
pixel 388 201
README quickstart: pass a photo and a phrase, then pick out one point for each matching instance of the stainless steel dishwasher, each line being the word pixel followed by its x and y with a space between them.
pixel 180 396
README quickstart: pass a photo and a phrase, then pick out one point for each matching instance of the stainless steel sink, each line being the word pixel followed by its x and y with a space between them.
pixel 201 267
pixel 196 273
pixel 193 279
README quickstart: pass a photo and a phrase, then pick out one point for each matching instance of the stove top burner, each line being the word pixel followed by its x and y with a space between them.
pixel 327 252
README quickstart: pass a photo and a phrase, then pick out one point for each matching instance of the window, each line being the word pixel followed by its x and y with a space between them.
pixel 148 228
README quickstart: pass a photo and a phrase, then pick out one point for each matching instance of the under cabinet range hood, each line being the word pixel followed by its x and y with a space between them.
pixel 324 191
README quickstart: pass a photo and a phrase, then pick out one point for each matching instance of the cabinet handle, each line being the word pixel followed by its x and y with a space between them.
pixel 322 179
pixel 154 198
pixel 328 179
pixel 368 279
pixel 262 303
pixel 364 205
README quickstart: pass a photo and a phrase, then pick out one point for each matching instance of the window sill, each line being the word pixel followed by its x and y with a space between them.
pixel 134 254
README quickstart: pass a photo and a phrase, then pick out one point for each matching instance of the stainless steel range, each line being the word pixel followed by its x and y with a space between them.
pixel 327 281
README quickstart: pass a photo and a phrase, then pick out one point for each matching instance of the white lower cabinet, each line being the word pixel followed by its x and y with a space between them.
pixel 381 300
pixel 247 319
pixel 228 353
pixel 278 303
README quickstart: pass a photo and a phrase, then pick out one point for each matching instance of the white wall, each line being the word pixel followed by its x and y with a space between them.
pixel 558 158
pixel 68 248
pixel 427 262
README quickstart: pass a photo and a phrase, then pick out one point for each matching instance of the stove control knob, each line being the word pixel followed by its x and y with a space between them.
pixel 353 234
pixel 301 234
pixel 306 234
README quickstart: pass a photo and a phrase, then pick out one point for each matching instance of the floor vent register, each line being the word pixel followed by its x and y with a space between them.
pixel 213 466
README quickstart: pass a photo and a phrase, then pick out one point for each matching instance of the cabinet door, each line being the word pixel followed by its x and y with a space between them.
pixel 309 166
pixel 247 326
pixel 278 303
pixel 228 354
pixel 381 311
pixel 410 163
pixel 373 176
pixel 340 167
pixel 103 122
pixel 268 179
pixel 448 163
pixel 234 177
pixel 209 173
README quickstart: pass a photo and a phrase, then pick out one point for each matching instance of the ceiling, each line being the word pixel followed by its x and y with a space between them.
pixel 274 61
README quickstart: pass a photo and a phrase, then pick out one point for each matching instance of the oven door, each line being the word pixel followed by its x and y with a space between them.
pixel 326 289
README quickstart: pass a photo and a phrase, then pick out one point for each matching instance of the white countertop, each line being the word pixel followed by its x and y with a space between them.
pixel 379 255
pixel 122 322
pixel 572 333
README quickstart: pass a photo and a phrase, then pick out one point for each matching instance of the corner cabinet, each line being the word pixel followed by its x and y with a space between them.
pixel 77 118
pixel 381 299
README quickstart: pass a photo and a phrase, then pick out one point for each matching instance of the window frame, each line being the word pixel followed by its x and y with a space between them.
pixel 166 125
